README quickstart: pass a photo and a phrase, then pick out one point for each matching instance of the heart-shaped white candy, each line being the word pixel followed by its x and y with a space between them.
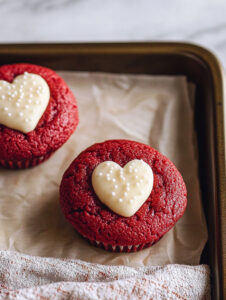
pixel 23 102
pixel 123 190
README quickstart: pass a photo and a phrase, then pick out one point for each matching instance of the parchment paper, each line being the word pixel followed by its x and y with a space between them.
pixel 154 110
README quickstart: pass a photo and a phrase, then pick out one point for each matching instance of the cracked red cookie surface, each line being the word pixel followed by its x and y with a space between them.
pixel 55 126
pixel 98 223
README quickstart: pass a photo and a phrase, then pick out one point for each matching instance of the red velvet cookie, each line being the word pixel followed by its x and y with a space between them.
pixel 38 113
pixel 102 226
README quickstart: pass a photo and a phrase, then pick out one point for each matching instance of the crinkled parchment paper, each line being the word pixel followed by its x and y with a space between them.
pixel 153 110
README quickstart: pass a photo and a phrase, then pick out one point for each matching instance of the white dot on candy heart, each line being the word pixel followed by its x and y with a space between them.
pixel 9 114
pixel 6 108
pixel 113 179
pixel 113 193
pixel 17 104
pixel 21 114
pixel 100 174
pixel 115 186
pixel 125 194
pixel 120 199
pixel 3 97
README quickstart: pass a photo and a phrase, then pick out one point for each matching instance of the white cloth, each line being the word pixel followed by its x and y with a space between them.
pixel 38 278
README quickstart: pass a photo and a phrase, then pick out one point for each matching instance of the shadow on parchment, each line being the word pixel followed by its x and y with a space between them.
pixel 49 234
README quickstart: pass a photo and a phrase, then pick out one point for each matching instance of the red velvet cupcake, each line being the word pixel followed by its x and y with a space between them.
pixel 122 195
pixel 38 113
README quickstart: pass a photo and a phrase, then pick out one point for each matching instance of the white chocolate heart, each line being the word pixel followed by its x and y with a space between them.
pixel 123 190
pixel 23 102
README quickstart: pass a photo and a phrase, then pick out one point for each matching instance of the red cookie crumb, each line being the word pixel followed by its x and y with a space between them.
pixel 101 226
pixel 19 150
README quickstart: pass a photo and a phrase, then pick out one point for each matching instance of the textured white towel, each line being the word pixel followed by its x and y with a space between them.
pixel 30 277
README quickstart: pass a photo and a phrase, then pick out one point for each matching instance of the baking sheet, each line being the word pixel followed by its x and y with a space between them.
pixel 155 110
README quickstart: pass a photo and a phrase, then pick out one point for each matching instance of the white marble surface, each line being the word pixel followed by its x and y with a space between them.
pixel 200 21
